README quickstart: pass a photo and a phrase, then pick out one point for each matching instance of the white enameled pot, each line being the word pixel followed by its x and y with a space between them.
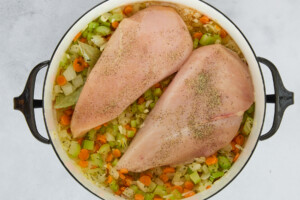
pixel 282 98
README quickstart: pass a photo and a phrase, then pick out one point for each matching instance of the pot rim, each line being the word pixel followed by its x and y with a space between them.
pixel 248 43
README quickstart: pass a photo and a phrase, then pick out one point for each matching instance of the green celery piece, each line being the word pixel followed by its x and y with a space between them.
pixel 187 177
pixel 176 195
pixel 103 30
pixel 103 129
pixel 130 134
pixel 104 23
pixel 104 149
pixel 215 175
pixel 90 53
pixel 208 39
pixel 148 95
pixel 247 126
pixel 91 134
pixel 189 171
pixel 213 168
pixel 88 144
pixel 157 92
pixel 89 36
pixel 63 101
pixel 92 26
pixel 141 107
pixel 133 123
pixel 97 160
pixel 134 108
pixel 160 190
pixel 84 72
pixel 149 196
pixel 112 144
pixel 224 162
pixel 196 43
pixel 195 177
pixel 134 188
pixel 116 17
pixel 115 162
pixel 114 186
pixel 251 109
pixel 152 105
pixel 74 149
pixel 85 33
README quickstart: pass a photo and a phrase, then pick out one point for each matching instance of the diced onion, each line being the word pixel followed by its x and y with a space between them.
pixel 98 40
pixel 70 73
pixel 105 16
pixel 67 88
pixel 78 81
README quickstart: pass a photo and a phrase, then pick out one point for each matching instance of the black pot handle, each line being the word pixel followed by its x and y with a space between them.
pixel 26 102
pixel 282 98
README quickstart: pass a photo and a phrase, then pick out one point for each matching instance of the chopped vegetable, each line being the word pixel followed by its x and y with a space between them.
pixel 160 190
pixel 74 149
pixel 84 154
pixel 63 101
pixel 216 175
pixel 65 120
pixel 197 35
pixel 104 149
pixel 128 9
pixel 87 144
pixel 223 33
pixel 77 36
pixel 247 126
pixel 204 19
pixel 138 197
pixel 239 139
pixel 208 39
pixel 114 186
pixel 196 43
pixel 69 73
pixel 103 30
pixel 116 153
pixel 90 53
pixel 61 80
pixel 189 185
pixel 195 177
pixel 79 64
pixel 224 163
pixel 146 180
pixel 83 163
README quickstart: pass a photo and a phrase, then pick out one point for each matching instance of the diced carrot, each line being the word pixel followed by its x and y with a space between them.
pixel 84 154
pixel 97 127
pixel 65 120
pixel 164 178
pixel 77 36
pixel 105 124
pixel 127 10
pixel 79 64
pixel 218 28
pixel 83 40
pixel 204 19
pixel 124 171
pixel 69 111
pixel 108 166
pixel 101 138
pixel 133 129
pixel 146 180
pixel 127 127
pixel 119 192
pixel 141 100
pixel 122 189
pixel 128 181
pixel 240 139
pixel 192 193
pixel 109 157
pixel 96 147
pixel 211 160
pixel 223 33
pixel 83 163
pixel 61 80
pixel 168 170
pixel 115 24
pixel 186 190
pixel 108 37
pixel 157 198
pixel 80 140
pixel 209 186
pixel 178 187
pixel 157 85
pixel 122 176
pixel 168 185
pixel 138 197
pixel 116 153
pixel 109 179
pixel 94 167
pixel 147 173
pixel 236 157
pixel 197 35
pixel 189 185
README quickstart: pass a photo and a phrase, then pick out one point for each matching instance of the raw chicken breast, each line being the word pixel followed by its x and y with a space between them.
pixel 146 48
pixel 199 113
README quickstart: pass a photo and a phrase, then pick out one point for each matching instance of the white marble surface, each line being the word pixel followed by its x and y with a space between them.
pixel 31 29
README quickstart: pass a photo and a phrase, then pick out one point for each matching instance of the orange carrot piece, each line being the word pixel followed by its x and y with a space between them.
pixel 168 185
pixel 128 181
pixel 80 140
pixel 197 35
pixel 138 197
pixel 223 33
pixel 101 138
pixel 204 19
pixel 146 180
pixel 97 127
pixel 189 185
pixel 127 127
pixel 115 24
pixel 69 111
pixel 157 85
pixel 128 9
pixel 65 120
pixel 116 153
pixel 119 192
pixel 189 194
pixel 168 170
pixel 141 100
pixel 84 154
pixel 96 147
pixel 109 157
pixel 157 198
pixel 124 171
pixel 122 176
pixel 94 167
pixel 123 188
pixel 83 40
pixel 186 190
pixel 61 80
pixel 209 186
pixel 77 36
pixel 211 160
pixel 164 178
pixel 83 163
pixel 240 139
pixel 178 187
pixel 236 157
pixel 109 179
pixel 105 124
pixel 79 64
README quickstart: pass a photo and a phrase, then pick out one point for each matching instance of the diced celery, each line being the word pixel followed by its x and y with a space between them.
pixel 92 26
pixel 116 17
pixel 77 81
pixel 215 175
pixel 103 30
pixel 88 144
pixel 130 133
pixel 141 107
pixel 149 196
pixel 175 195
pixel 89 53
pixel 104 149
pixel 134 108
pixel 115 162
pixel 160 190
pixel 63 101
pixel 187 177
pixel 67 88
pixel 64 61
pixel 134 188
pixel 114 186
pixel 195 43
pixel 152 105
pixel 190 171
pixel 97 160
pixel 115 129
pixel 85 33
pixel 251 109
pixel 84 72
pixel 89 36
pixel 69 73
pixel 208 39
pixel 195 177
pixel 104 23
pixel 98 40
pixel 155 99
pixel 104 17
pixel 112 144
pixel 128 192
pixel 148 95
pixel 103 129
pixel 133 123
pixel 91 134
pixel 224 162
pixel 247 126
pixel 157 92
pixel 74 149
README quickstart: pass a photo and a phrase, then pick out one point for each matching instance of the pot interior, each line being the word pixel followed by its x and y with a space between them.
pixel 50 116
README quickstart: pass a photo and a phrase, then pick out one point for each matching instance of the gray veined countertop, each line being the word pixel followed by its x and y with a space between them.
pixel 30 31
